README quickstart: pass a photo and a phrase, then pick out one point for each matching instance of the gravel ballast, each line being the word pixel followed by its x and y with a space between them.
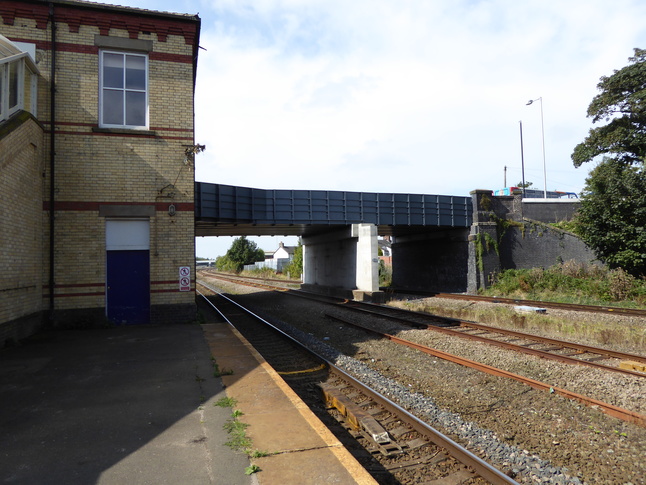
pixel 537 436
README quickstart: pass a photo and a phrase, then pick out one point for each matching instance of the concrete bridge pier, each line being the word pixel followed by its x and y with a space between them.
pixel 343 263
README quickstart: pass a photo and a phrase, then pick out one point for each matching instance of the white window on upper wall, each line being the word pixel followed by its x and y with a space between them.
pixel 11 87
pixel 17 72
pixel 123 90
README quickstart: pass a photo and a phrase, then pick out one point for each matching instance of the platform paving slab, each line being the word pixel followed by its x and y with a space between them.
pixel 111 406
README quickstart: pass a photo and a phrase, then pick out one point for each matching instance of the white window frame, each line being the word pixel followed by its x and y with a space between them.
pixel 5 84
pixel 124 90
pixel 19 56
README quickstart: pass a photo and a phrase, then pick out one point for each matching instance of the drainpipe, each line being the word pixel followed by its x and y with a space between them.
pixel 52 157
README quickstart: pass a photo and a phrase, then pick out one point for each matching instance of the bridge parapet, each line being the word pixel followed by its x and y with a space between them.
pixel 226 204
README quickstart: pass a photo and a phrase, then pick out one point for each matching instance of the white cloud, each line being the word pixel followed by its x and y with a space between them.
pixel 391 96
pixel 428 95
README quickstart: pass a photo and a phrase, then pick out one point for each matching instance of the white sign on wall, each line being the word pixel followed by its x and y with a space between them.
pixel 184 278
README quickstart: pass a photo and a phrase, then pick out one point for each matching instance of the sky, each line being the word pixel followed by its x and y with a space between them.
pixel 403 96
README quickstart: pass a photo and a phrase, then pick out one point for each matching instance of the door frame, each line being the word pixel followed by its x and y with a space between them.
pixel 127 234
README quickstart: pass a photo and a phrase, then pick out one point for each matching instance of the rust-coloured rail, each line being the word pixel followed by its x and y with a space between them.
pixel 363 307
pixel 545 304
pixel 617 412
pixel 482 468
pixel 569 345
pixel 458 296
pixel 520 348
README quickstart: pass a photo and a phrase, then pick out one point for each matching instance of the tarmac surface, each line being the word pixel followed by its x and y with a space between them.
pixel 120 405
pixel 136 405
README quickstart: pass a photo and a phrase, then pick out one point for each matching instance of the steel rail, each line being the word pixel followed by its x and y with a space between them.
pixel 490 299
pixel 562 343
pixel 526 350
pixel 610 409
pixel 276 280
pixel 546 304
pixel 464 323
pixel 484 469
pixel 246 281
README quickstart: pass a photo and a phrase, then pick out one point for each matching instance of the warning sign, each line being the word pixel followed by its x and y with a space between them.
pixel 184 278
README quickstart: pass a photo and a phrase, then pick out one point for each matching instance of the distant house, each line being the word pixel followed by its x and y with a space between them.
pixel 275 260
pixel 284 252
pixel 385 245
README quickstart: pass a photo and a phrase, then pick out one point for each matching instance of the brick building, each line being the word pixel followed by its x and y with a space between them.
pixel 96 150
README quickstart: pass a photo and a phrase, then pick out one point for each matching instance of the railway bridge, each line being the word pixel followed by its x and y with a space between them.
pixel 339 231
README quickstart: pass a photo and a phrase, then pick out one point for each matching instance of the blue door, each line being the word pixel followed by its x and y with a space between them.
pixel 128 286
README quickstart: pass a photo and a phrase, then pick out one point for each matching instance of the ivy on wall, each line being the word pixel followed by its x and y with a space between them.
pixel 484 241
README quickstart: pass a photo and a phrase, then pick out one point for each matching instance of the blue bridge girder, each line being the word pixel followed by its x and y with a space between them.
pixel 226 210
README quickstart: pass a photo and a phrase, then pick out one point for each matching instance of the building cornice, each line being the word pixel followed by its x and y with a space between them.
pixel 75 13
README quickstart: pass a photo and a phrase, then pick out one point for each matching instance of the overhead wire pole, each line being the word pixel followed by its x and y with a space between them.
pixel 543 137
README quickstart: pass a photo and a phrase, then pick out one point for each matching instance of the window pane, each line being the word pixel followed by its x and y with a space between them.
pixel 135 72
pixel 112 107
pixel 13 84
pixel 135 109
pixel 124 89
pixel 113 70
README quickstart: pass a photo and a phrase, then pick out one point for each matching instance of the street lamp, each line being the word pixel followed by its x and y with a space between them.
pixel 522 157
pixel 543 136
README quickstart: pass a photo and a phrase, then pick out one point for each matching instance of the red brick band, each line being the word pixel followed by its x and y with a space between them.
pixel 102 285
pixel 92 49
pixel 69 205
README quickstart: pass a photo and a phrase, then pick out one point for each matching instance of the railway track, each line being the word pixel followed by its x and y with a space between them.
pixel 575 436
pixel 554 350
pixel 636 312
pixel 456 296
pixel 609 409
pixel 394 445
pixel 543 347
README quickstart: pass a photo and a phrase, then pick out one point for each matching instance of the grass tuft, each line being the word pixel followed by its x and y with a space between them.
pixel 226 402
pixel 217 372
pixel 238 439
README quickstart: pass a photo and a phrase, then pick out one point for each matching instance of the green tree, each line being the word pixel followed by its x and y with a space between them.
pixel 612 216
pixel 295 267
pixel 242 252
pixel 622 103
pixel 223 263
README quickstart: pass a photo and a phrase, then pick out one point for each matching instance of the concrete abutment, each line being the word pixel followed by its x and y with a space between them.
pixel 509 232
pixel 431 261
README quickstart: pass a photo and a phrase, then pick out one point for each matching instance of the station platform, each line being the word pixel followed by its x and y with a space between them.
pixel 136 405
pixel 301 450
